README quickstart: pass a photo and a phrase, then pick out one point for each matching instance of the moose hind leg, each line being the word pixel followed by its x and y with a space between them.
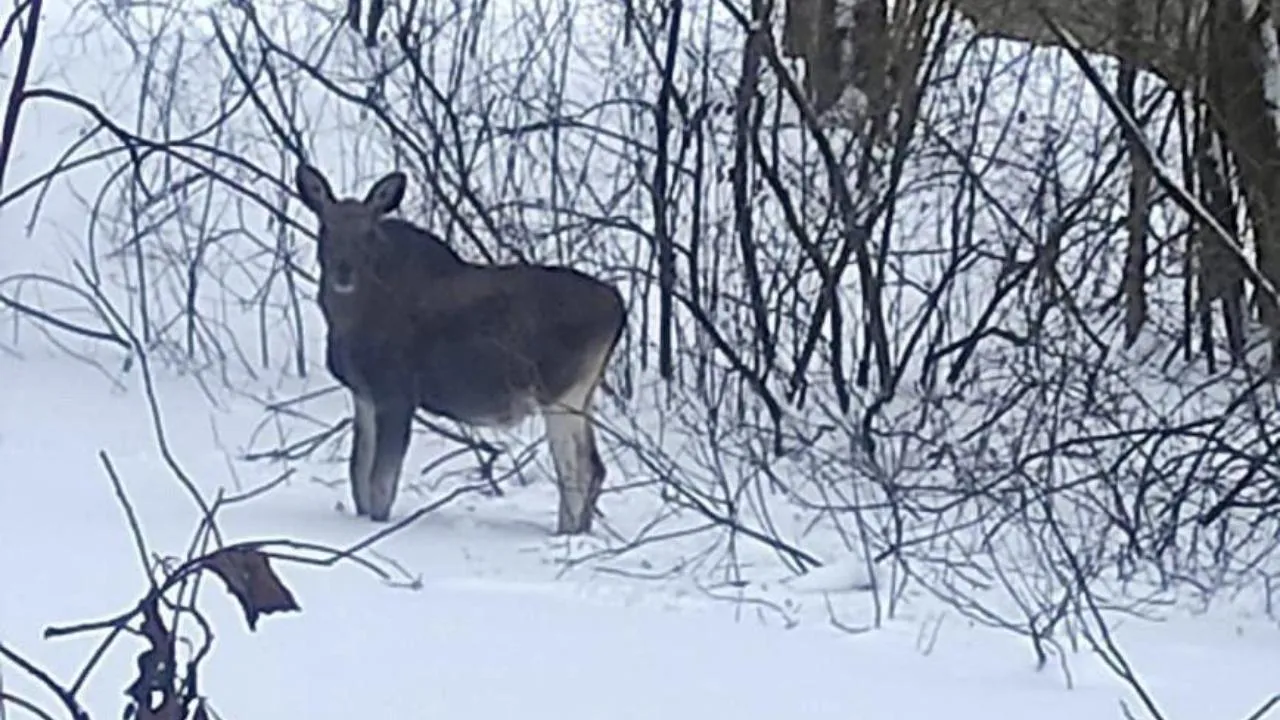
pixel 579 470
pixel 363 441
pixel 394 419
pixel 571 434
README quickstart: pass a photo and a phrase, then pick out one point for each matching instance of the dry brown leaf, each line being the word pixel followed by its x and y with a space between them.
pixel 155 669
pixel 250 579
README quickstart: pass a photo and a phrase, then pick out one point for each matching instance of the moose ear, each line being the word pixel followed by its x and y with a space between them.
pixel 314 189
pixel 386 194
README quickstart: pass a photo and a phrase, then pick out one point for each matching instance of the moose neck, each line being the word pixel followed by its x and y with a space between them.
pixel 410 262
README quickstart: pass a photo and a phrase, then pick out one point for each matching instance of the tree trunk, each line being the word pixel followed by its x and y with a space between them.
pixel 1208 50
pixel 1235 93
pixel 1164 40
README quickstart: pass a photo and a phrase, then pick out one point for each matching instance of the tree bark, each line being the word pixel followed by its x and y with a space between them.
pixel 1236 97
pixel 1215 53
pixel 1165 39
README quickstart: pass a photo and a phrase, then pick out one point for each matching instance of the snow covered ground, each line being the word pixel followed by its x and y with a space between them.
pixel 493 629
pixel 483 614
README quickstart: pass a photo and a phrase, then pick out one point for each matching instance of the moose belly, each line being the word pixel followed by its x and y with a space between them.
pixel 470 385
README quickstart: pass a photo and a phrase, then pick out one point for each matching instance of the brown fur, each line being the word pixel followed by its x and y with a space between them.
pixel 413 325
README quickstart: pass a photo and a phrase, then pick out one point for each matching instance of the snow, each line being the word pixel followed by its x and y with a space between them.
pixel 492 631
pixel 848 110
pixel 848 573
pixel 480 611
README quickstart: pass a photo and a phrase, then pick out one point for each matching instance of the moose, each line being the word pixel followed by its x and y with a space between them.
pixel 411 324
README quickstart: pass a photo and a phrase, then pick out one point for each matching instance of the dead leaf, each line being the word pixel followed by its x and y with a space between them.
pixel 155 670
pixel 250 579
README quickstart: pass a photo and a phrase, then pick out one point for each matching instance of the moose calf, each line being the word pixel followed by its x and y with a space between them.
pixel 413 325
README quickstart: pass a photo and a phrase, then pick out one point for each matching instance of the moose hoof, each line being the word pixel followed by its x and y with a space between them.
pixel 570 528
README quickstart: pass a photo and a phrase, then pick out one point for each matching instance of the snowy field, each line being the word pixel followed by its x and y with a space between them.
pixel 474 609
pixel 495 628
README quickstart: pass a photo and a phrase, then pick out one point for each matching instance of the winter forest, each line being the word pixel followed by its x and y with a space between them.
pixel 946 389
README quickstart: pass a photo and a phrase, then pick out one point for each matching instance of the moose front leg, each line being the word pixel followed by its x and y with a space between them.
pixel 363 444
pixel 393 419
